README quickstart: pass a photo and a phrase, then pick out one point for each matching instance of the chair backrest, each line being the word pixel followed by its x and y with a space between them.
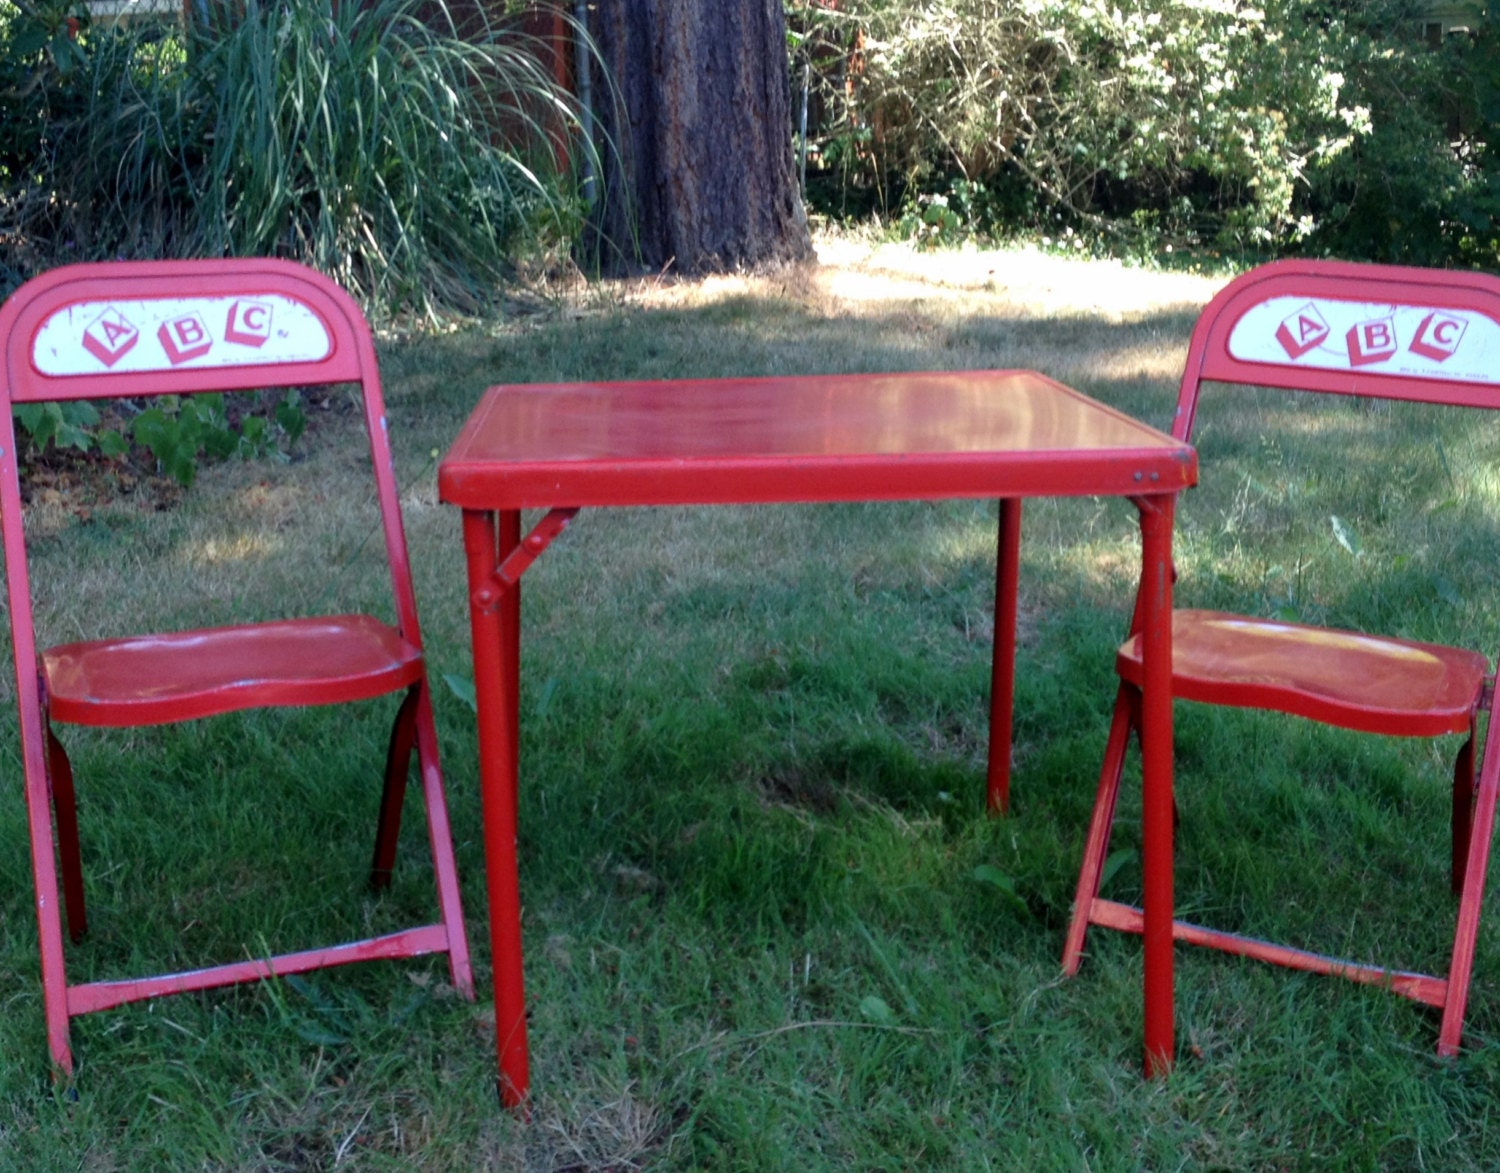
pixel 150 328
pixel 1427 335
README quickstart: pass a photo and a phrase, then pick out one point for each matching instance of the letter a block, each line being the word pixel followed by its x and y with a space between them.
pixel 1438 336
pixel 1371 342
pixel 1302 331
pixel 184 338
pixel 109 336
pixel 248 324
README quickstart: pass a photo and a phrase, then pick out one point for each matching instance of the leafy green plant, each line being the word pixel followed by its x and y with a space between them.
pixel 92 156
pixel 67 425
pixel 931 222
pixel 1420 187
pixel 179 431
pixel 1282 125
pixel 49 29
pixel 383 145
pixel 1090 102
pixel 175 431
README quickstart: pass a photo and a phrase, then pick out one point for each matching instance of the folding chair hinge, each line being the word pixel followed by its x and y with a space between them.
pixel 508 573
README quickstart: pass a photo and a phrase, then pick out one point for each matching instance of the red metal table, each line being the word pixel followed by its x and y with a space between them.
pixel 1000 434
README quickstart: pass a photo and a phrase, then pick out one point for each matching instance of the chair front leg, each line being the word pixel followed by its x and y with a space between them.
pixel 1471 901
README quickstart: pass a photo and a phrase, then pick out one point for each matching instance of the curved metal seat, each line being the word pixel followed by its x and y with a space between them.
pixel 1370 683
pixel 183 675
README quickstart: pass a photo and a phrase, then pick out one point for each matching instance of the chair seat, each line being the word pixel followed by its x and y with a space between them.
pixel 1344 678
pixel 154 679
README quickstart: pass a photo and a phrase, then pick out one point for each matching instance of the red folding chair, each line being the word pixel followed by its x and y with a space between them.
pixel 132 330
pixel 1388 332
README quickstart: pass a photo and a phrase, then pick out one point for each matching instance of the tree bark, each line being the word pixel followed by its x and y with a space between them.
pixel 696 145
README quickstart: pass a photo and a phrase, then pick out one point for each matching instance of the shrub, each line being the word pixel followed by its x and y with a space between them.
pixel 1291 123
pixel 1197 112
pixel 373 141
pixel 1421 187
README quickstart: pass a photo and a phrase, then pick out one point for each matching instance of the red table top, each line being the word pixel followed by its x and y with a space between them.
pixel 803 438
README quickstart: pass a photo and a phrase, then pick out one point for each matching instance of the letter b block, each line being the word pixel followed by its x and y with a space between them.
pixel 184 338
pixel 1371 342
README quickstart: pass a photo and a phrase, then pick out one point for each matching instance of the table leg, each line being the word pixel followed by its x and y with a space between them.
pixel 1155 601
pixel 509 533
pixel 494 615
pixel 1003 665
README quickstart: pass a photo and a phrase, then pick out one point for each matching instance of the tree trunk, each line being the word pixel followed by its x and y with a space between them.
pixel 696 149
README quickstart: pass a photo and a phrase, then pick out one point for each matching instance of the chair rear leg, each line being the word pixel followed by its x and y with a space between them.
pixel 1463 806
pixel 1126 718
pixel 397 763
pixel 1471 899
pixel 65 805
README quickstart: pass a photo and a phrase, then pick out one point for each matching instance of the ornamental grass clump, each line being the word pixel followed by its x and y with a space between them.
pixel 410 159
pixel 401 158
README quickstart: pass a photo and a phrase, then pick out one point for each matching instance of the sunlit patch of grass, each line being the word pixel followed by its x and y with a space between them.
pixel 236 550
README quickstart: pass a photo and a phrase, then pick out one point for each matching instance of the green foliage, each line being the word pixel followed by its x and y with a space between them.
pixel 931 222
pixel 1421 187
pixel 1097 105
pixel 176 432
pixel 41 59
pixel 68 425
pixel 179 431
pixel 363 139
pixel 1293 123
pixel 411 160
pixel 50 30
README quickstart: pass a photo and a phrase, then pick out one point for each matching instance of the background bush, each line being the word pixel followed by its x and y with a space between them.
pixel 415 160
pixel 1322 125
pixel 373 141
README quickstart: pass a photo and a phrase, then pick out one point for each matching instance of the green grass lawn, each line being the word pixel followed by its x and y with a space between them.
pixel 768 925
